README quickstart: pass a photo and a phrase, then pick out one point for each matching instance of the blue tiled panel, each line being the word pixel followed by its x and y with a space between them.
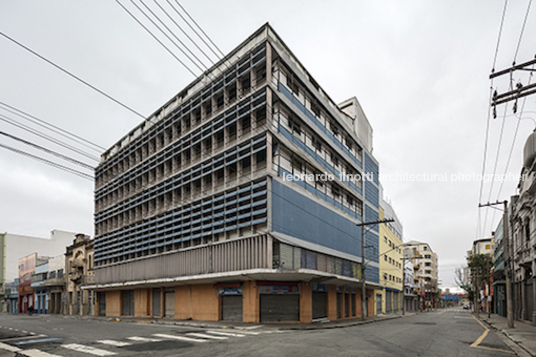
pixel 319 194
pixel 371 216
pixel 371 167
pixel 298 216
pixel 372 193
pixel 317 157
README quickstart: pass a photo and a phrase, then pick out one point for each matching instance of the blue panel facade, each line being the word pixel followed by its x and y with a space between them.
pixel 300 217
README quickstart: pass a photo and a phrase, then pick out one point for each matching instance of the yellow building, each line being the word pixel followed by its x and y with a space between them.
pixel 389 299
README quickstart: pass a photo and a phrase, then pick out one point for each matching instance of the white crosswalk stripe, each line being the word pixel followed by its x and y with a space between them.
pixel 203 335
pixel 86 349
pixel 36 353
pixel 226 333
pixel 181 338
pixel 114 343
pixel 143 339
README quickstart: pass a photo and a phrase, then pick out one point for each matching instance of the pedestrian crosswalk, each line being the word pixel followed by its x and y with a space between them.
pixel 112 347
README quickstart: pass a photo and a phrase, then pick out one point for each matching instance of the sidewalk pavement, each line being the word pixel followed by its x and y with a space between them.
pixel 523 333
pixel 247 326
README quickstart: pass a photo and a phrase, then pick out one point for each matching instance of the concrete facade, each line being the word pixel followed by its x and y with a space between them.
pixel 390 298
pixel 15 246
pixel 78 262
pixel 242 193
pixel 427 274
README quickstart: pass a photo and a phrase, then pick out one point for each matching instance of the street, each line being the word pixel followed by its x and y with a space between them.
pixel 448 332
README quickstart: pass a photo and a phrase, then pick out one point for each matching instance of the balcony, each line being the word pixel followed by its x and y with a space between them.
pixel 54 282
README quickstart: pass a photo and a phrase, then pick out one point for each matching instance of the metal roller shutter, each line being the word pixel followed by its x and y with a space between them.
pixel 280 307
pixel 128 302
pixel 231 308
pixel 395 301
pixel 157 302
pixel 319 305
pixel 388 305
pixel 339 298
pixel 169 298
pixel 102 303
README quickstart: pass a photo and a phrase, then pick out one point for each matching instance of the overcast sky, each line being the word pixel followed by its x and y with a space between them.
pixel 419 69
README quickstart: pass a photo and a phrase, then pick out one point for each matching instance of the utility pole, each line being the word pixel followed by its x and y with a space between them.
pixel 519 92
pixel 506 244
pixel 363 283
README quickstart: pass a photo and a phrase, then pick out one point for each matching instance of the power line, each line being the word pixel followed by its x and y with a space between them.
pixel 47 137
pixel 51 163
pixel 153 36
pixel 57 130
pixel 169 38
pixel 496 161
pixel 479 230
pixel 72 75
pixel 204 33
pixel 499 36
pixel 52 152
pixel 522 30
pixel 184 32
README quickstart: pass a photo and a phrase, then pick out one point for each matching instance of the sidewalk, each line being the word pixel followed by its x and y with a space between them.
pixel 523 333
pixel 246 326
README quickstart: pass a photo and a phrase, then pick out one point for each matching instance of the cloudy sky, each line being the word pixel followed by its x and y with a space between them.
pixel 419 69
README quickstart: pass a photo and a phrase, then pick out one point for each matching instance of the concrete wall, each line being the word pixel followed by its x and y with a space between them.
pixel 18 246
pixel 142 302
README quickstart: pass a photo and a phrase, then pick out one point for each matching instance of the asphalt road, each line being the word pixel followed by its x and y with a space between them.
pixel 452 332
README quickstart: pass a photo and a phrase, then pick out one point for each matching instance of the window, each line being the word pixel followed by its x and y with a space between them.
pixel 428 256
pixel 425 248
pixel 385 239
pixel 427 272
pixel 385 256
pixel 427 264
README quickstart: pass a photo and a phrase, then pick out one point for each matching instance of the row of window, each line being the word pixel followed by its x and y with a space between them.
pixel 299 91
pixel 241 77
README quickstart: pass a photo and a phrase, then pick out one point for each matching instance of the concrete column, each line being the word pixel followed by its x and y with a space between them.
pixel 306 302
pixel 332 302
pixel 251 302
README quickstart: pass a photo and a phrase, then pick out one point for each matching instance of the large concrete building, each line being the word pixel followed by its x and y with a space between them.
pixel 426 274
pixel 14 246
pixel 238 199
pixel 78 262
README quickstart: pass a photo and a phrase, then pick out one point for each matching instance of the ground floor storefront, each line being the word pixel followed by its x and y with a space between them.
pixel 246 301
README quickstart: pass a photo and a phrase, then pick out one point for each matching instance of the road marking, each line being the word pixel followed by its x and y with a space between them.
pixel 36 353
pixel 144 339
pixel 202 335
pixel 9 348
pixel 114 343
pixel 226 333
pixel 22 338
pixel 181 338
pixel 482 337
pixel 27 342
pixel 24 331
pixel 87 349
pixel 248 332
pixel 9 328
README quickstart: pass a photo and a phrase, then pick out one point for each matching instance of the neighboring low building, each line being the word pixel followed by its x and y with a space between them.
pixel 15 246
pixel 389 299
pixel 12 297
pixel 79 272
pixel 523 239
pixel 38 286
pixel 411 302
pixel 499 277
pixel 55 285
pixel 27 267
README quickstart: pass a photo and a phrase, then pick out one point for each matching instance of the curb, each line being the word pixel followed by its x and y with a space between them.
pixel 491 325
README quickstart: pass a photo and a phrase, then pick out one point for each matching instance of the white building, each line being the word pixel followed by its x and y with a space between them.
pixel 14 246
